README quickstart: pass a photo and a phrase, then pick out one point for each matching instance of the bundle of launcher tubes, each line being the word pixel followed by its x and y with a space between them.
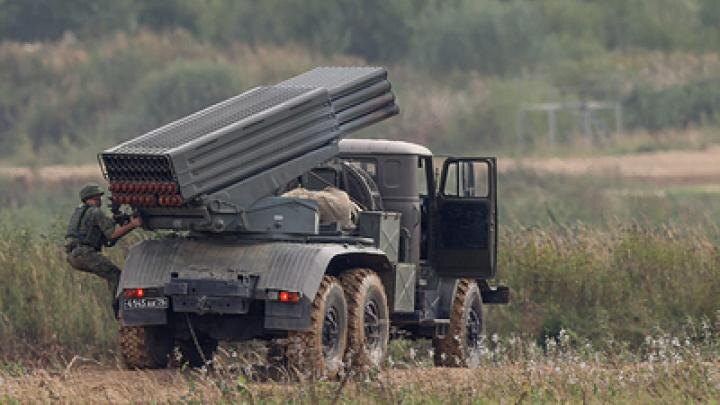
pixel 246 135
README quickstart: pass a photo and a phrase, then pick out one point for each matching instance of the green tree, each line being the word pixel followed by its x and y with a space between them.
pixel 651 24
pixel 489 36
pixel 37 20
pixel 373 29
pixel 178 90
pixel 168 14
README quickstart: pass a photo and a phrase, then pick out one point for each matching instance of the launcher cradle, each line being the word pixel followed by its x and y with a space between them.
pixel 218 169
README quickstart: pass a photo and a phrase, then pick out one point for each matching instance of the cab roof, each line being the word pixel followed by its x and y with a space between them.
pixel 381 147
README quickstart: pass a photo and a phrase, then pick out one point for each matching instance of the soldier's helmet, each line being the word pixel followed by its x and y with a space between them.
pixel 91 190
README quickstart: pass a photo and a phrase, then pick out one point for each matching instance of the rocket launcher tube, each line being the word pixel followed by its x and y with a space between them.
pixel 230 155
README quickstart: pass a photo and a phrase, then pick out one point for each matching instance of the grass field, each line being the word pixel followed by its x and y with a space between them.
pixel 615 285
pixel 665 369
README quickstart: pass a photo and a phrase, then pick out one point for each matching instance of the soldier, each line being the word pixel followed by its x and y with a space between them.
pixel 88 231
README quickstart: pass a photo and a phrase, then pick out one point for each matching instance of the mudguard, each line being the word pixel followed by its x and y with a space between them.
pixel 278 266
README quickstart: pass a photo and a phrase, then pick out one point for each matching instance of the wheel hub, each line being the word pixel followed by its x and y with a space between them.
pixel 473 328
pixel 372 324
pixel 330 332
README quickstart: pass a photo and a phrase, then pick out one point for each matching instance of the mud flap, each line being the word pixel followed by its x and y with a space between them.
pixel 143 317
pixel 288 316
pixel 496 295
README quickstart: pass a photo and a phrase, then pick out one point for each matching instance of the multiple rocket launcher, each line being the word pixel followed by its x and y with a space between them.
pixel 247 137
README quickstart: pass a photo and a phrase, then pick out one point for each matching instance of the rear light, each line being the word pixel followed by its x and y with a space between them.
pixel 288 296
pixel 134 293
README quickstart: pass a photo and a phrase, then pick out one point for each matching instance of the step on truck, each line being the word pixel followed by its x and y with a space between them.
pixel 275 227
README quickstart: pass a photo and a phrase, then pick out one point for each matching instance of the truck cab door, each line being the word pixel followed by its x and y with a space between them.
pixel 466 219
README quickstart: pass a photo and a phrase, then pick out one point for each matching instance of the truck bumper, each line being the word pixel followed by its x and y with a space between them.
pixel 236 299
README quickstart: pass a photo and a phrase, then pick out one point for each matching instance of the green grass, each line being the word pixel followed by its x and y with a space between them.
pixel 667 368
pixel 614 299
pixel 577 255
pixel 533 199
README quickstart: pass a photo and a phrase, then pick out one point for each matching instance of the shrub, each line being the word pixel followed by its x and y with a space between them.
pixel 180 89
pixel 678 106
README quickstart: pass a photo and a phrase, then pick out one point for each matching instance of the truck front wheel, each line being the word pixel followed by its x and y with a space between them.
pixel 368 324
pixel 319 352
pixel 461 346
pixel 146 347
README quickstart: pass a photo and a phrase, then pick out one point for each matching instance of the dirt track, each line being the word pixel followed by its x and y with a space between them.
pixel 105 384
pixel 558 380
pixel 693 166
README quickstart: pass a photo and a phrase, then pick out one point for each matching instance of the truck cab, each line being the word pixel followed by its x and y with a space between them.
pixel 447 228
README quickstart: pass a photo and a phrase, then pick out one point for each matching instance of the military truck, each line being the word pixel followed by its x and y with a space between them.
pixel 242 260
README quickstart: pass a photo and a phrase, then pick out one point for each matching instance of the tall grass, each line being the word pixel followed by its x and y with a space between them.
pixel 666 368
pixel 611 284
pixel 46 308
pixel 49 311
pixel 617 283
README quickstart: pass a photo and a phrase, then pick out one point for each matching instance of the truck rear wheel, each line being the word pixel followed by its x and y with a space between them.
pixel 368 324
pixel 461 346
pixel 146 347
pixel 319 352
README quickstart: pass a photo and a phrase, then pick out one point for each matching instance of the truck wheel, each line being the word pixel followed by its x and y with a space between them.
pixel 191 355
pixel 146 347
pixel 319 352
pixel 368 324
pixel 461 346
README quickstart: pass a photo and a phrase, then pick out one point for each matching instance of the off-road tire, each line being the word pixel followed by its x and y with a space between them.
pixel 276 366
pixel 306 357
pixel 368 319
pixel 146 347
pixel 461 346
pixel 191 355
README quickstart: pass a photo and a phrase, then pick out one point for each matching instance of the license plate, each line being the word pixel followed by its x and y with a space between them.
pixel 145 303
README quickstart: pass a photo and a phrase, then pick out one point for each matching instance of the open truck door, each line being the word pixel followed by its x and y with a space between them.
pixel 466 240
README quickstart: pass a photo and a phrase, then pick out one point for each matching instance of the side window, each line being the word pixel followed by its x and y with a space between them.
pixel 391 173
pixel 467 179
pixel 437 163
pixel 422 176
pixel 368 165
pixel 451 180
pixel 319 178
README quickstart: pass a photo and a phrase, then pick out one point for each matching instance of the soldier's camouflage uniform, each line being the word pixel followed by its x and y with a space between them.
pixel 88 231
